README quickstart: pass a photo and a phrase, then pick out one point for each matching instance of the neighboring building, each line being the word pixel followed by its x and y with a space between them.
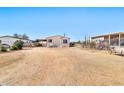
pixel 43 42
pixel 40 43
pixel 113 39
pixel 9 40
pixel 57 41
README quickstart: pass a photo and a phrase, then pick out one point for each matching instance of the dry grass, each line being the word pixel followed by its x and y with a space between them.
pixel 8 58
pixel 61 66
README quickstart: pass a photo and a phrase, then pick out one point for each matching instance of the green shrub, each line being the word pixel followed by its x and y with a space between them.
pixel 14 47
pixel 17 45
pixel 3 49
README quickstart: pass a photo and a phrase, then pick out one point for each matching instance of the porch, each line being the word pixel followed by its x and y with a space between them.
pixel 114 39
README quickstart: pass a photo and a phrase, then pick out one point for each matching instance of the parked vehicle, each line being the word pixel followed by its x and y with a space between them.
pixel 6 45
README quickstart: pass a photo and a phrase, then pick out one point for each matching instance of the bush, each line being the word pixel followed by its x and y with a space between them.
pixel 92 44
pixel 72 44
pixel 3 49
pixel 17 45
pixel 14 47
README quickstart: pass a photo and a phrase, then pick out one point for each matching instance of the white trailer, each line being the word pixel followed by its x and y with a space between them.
pixel 117 50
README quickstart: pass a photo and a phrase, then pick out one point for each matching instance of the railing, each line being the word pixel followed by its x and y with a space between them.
pixel 122 42
pixel 115 42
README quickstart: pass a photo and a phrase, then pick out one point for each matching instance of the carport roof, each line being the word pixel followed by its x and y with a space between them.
pixel 117 33
pixel 12 37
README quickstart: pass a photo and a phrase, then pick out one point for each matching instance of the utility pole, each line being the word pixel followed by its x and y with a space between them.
pixel 89 39
pixel 64 34
pixel 85 40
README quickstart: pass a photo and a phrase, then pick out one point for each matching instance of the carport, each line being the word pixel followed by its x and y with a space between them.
pixel 114 39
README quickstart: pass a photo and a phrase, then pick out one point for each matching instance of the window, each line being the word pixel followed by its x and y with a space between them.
pixel 65 41
pixel 50 40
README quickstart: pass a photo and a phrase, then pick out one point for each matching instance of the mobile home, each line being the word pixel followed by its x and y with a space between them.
pixel 9 40
pixel 58 41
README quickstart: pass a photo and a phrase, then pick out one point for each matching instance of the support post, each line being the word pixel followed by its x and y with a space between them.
pixel 109 40
pixel 119 39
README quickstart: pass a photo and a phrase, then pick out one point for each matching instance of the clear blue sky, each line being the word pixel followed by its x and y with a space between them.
pixel 75 22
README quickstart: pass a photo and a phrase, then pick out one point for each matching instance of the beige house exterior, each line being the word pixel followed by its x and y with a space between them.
pixel 58 41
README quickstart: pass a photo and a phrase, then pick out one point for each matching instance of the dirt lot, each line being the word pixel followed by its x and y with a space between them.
pixel 61 66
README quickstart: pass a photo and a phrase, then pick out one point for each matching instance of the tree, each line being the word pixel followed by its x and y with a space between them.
pixel 24 36
pixel 16 35
pixel 79 42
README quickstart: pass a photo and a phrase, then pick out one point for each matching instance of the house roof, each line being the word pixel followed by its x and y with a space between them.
pixel 98 36
pixel 12 37
pixel 58 36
